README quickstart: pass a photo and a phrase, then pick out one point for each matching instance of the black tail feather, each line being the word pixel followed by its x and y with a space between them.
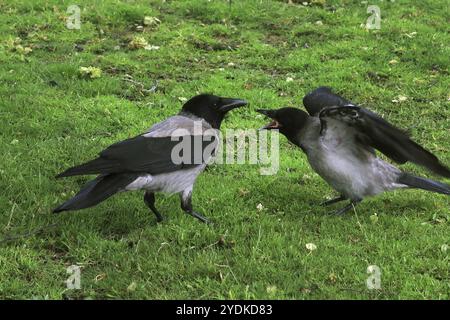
pixel 96 191
pixel 424 183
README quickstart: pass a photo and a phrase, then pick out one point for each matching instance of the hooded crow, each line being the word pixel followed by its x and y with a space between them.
pixel 340 138
pixel 167 158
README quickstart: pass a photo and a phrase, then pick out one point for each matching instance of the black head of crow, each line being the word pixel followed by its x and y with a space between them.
pixel 289 121
pixel 212 108
pixel 147 161
pixel 340 139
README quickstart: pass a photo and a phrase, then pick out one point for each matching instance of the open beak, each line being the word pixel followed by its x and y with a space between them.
pixel 274 124
pixel 230 104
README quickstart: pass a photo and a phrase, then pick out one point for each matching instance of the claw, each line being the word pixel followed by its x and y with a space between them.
pixel 200 217
pixel 348 207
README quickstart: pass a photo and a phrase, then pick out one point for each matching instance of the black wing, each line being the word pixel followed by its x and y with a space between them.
pixel 372 130
pixel 151 155
pixel 322 98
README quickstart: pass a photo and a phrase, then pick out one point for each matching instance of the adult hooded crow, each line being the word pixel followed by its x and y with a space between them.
pixel 340 138
pixel 167 158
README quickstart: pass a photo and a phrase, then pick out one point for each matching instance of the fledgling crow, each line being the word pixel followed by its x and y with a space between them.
pixel 340 138
pixel 167 158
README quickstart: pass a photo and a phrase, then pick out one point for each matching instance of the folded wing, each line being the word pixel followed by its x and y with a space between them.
pixel 153 155
pixel 371 130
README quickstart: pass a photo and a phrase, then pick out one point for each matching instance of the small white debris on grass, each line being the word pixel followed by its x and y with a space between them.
pixel 444 248
pixel 400 99
pixel 260 207
pixel 151 47
pixel 132 287
pixel 289 79
pixel 374 218
pixel 137 43
pixel 151 21
pixel 90 72
pixel 271 289
pixel 311 246
pixel 411 35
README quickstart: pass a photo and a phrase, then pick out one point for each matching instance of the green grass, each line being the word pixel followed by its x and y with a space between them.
pixel 52 119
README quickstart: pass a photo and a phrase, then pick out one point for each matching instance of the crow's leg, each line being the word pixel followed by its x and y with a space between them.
pixel 149 199
pixel 186 205
pixel 351 205
pixel 332 201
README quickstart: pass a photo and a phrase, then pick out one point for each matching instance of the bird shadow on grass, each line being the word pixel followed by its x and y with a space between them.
pixel 402 206
pixel 393 205
pixel 130 214
pixel 120 224
pixel 310 194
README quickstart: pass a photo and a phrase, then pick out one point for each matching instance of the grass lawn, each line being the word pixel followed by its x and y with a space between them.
pixel 53 117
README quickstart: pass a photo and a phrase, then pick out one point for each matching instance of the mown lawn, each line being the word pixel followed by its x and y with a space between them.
pixel 52 118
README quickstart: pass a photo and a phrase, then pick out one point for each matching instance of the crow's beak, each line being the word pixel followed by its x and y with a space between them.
pixel 229 104
pixel 274 124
